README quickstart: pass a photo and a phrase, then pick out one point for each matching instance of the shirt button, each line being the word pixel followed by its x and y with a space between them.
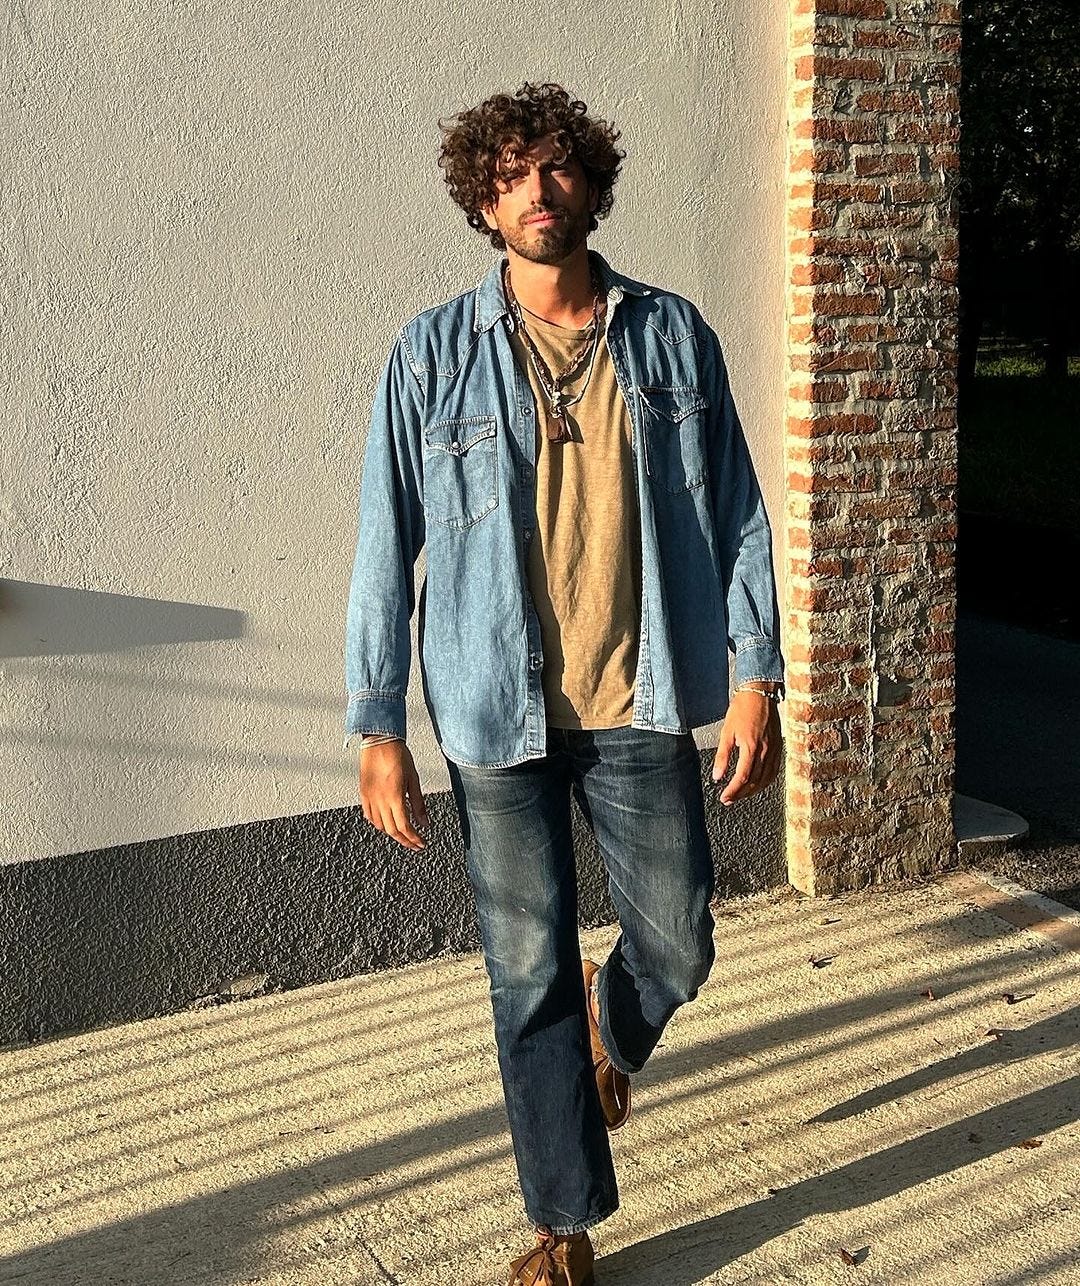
pixel 534 663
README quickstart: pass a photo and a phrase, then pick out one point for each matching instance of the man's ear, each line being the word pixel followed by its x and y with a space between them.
pixel 489 217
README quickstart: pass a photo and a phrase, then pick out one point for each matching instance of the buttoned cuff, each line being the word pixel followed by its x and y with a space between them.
pixel 370 711
pixel 758 658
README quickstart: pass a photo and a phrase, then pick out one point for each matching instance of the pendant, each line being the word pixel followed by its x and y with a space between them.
pixel 558 428
pixel 558 417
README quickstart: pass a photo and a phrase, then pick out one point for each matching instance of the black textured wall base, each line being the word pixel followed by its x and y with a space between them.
pixel 152 928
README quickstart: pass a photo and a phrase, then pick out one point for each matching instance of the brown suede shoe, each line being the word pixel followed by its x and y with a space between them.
pixel 614 1085
pixel 551 1263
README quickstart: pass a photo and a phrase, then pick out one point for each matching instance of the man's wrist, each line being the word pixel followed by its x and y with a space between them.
pixel 769 688
pixel 378 738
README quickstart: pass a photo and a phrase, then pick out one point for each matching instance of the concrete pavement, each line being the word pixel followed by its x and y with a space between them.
pixel 813 1102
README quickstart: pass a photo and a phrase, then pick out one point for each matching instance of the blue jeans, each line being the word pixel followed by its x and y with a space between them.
pixel 640 792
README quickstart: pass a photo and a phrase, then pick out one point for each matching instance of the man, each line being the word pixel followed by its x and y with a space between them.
pixel 564 441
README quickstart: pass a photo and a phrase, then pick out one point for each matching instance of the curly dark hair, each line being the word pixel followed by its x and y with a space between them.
pixel 482 146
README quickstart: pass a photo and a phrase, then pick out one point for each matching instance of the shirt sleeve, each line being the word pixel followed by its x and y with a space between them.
pixel 743 530
pixel 390 535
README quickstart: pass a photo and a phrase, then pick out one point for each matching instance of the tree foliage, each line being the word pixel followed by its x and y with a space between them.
pixel 1020 154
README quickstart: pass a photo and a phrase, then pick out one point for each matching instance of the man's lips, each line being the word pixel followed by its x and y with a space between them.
pixel 544 218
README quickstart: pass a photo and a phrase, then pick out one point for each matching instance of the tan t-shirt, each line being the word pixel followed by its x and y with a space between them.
pixel 584 559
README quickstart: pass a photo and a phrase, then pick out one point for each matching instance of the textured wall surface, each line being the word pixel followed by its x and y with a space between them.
pixel 216 216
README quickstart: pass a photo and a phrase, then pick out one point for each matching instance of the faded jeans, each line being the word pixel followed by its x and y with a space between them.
pixel 641 795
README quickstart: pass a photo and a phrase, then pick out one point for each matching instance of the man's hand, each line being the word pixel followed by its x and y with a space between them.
pixel 752 724
pixel 388 783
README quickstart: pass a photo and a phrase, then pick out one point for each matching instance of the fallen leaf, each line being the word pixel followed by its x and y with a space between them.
pixel 928 993
pixel 830 919
pixel 854 1257
pixel 1028 1143
pixel 819 962
pixel 996 1032
pixel 1011 999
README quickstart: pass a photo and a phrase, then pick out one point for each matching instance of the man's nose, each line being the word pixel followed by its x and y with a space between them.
pixel 536 187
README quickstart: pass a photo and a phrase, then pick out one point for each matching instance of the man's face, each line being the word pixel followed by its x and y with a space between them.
pixel 542 206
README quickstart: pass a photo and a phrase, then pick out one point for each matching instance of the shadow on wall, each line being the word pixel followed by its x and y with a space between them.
pixel 56 620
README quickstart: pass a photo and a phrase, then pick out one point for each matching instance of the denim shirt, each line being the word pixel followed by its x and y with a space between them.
pixel 450 463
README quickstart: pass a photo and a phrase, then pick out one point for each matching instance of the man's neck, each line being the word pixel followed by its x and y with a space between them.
pixel 558 292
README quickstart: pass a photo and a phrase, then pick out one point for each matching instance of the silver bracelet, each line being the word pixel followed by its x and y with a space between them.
pixel 773 694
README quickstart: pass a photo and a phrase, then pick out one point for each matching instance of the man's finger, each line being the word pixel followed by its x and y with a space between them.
pixel 743 769
pixel 416 799
pixel 405 834
pixel 761 757
pixel 388 824
pixel 772 767
pixel 723 752
pixel 754 777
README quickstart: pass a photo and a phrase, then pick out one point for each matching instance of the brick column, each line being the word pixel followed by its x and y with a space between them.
pixel 870 438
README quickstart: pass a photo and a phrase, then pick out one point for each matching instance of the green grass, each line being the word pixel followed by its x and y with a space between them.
pixel 1025 363
pixel 1020 441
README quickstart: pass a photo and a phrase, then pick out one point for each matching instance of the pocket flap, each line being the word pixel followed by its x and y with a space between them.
pixel 457 436
pixel 673 403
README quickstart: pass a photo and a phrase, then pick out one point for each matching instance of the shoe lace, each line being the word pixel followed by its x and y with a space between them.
pixel 540 1260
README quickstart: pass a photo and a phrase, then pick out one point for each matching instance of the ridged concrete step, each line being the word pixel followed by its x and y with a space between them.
pixel 983 828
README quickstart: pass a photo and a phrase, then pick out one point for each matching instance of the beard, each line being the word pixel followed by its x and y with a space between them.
pixel 552 244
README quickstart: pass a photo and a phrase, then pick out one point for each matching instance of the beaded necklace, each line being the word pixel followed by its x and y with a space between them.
pixel 558 426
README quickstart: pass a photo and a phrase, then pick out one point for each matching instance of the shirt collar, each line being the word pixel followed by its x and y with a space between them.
pixel 491 300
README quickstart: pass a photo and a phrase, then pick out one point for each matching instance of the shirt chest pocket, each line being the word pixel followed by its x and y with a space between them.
pixel 460 470
pixel 674 428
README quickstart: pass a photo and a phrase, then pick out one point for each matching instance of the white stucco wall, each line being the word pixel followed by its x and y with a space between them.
pixel 215 217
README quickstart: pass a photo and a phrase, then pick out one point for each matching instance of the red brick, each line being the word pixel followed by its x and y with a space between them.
pixel 809 274
pixel 920 190
pixel 820 565
pixel 861 332
pixel 820 425
pixel 839 303
pixel 817 652
pixel 886 390
pixel 844 190
pixel 915 132
pixel 885 38
pixel 824 65
pixel 886 163
pixel 843 8
pixel 846 130
pixel 835 359
pixel 885 218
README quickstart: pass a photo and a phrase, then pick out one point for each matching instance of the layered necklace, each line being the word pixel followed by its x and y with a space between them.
pixel 553 383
